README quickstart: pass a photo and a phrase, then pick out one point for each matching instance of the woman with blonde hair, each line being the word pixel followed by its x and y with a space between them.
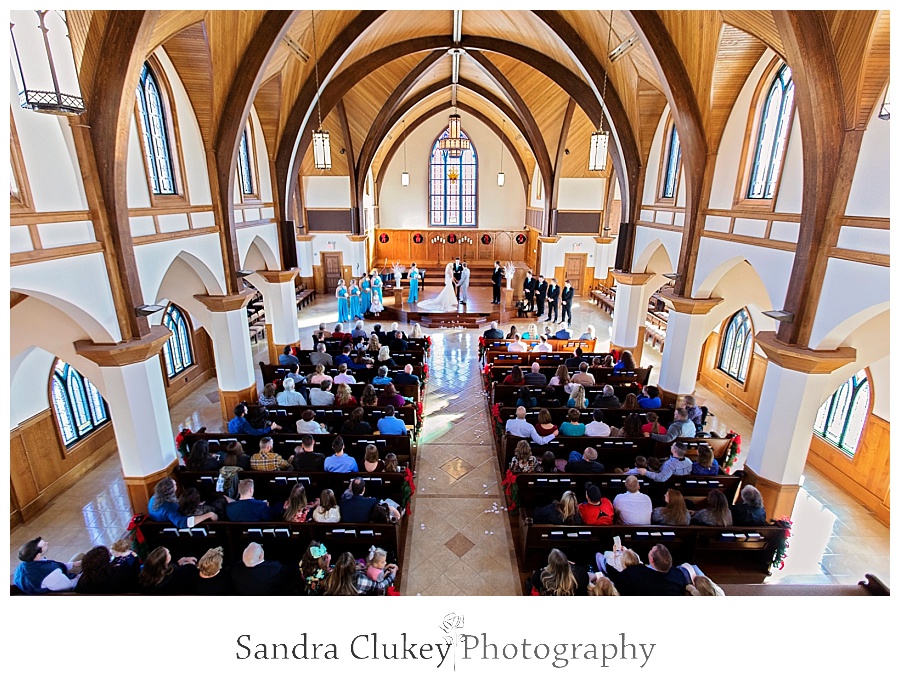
pixel 417 332
pixel 523 460
pixel 631 403
pixel 560 577
pixel 562 512
pixel 212 579
pixel 319 376
pixel 674 513
pixel 602 586
pixel 577 398
pixel 343 397
pixel 340 582
pixel 531 334
pixel 390 463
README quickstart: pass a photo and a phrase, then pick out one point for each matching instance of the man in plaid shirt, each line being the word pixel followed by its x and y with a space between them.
pixel 267 461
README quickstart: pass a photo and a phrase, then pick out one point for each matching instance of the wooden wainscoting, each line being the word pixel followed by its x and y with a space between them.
pixel 743 397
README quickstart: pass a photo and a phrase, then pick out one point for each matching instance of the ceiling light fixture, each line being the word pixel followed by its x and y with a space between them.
pixel 454 144
pixel 501 177
pixel 321 138
pixel 600 138
pixel 885 112
pixel 780 315
pixel 457 26
pixel 624 48
pixel 404 176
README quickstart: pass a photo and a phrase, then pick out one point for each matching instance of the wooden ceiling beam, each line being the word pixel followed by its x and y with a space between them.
pixel 557 167
pixel 355 201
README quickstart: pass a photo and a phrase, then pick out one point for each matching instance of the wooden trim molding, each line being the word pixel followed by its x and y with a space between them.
pixel 793 357
pixel 43 254
pixel 140 489
pixel 688 306
pixel 21 218
pixel 546 239
pixel 604 240
pixel 860 256
pixel 357 238
pixel 778 498
pixel 279 277
pixel 229 399
pixel 632 278
pixel 127 352
pixel 225 302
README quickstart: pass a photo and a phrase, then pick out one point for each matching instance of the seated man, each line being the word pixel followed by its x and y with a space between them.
pixel 632 507
pixel 355 505
pixel 607 399
pixel 597 510
pixel 340 461
pixel 535 377
pixel 306 458
pixel 518 426
pixel 382 376
pixel 517 346
pixel 320 357
pixel 587 464
pixel 255 576
pixel 239 424
pixel 649 398
pixel 597 427
pixel 583 377
pixel 575 361
pixel 321 396
pixel 342 377
pixel 406 376
pixel 543 346
pixel 307 423
pixel 287 357
pixel 247 508
pixel 295 375
pixel 290 396
pixel 678 464
pixel 266 460
pixel 38 575
pixel 359 331
pixel 319 334
pixel 344 358
pixel 390 424
pixel 658 578
pixel 680 427
pixel 492 332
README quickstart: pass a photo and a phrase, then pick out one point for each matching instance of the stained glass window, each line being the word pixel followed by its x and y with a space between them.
pixel 155 134
pixel 78 406
pixel 771 138
pixel 177 349
pixel 673 162
pixel 244 167
pixel 841 418
pixel 737 346
pixel 453 187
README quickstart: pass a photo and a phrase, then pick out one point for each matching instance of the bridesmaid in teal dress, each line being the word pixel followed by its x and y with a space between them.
pixel 365 297
pixel 343 304
pixel 376 285
pixel 354 300
pixel 413 284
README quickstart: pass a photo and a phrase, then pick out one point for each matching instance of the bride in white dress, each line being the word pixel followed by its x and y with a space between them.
pixel 445 301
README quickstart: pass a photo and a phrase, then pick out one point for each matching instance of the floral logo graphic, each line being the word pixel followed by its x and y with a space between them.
pixel 449 626
pixel 521 238
pixel 384 238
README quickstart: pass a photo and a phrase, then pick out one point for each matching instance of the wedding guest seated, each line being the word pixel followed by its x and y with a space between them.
pixel 543 346
pixel 385 359
pixel 706 463
pixel 355 424
pixel 631 403
pixel 358 331
pixel 343 358
pixel 492 332
pixel 548 462
pixel 517 426
pixel 307 423
pixel 369 397
pixel 562 379
pixel 201 459
pixel 602 586
pixel 255 576
pixel 563 332
pixel 287 356
pixel 406 376
pixel 213 578
pixel 390 424
pixel 390 397
pixel 382 376
pixel 632 507
pixel 716 513
pixel 701 585
pixel 36 574
pixel 545 426
pixel 163 506
pixel 247 508
pixel 560 577
pixel 550 397
pixel 320 357
pixel 572 427
pixel 234 450
pixel 694 412
pixel 342 377
pixel 391 464
pixel 597 510
pixel 523 460
pixel 597 427
pixel 266 460
pixel 339 461
pixel 267 397
pixel 341 581
pixel 399 343
pixel 343 397
pixel 575 361
pixel 631 428
pixel 674 513
pixel 371 461
pixel 515 376
pixel 678 464
pixel 652 425
pixel 240 425
pixel 328 509
pixel 525 398
pixel 750 511
pixel 649 398
pixel 160 576
pixel 583 377
pixel 535 377
pixel 296 508
pixel 590 334
pixel 322 395
pixel 562 512
pixel 191 503
pixel 356 506
pixel 681 427
pixel 626 363
pixel 588 462
pixel 516 345
pixel 318 377
pixel 657 578
pixel 639 462
pixel 341 335
pixel 607 399
pixel 577 398
pixel 306 458
pixel 315 567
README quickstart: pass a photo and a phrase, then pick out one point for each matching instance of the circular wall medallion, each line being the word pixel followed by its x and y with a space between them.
pixel 451 238
pixel 486 239
pixel 383 238
pixel 418 238
pixel 521 238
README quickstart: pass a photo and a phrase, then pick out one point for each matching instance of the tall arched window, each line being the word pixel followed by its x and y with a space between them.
pixel 673 163
pixel 771 136
pixel 842 417
pixel 177 349
pixel 157 148
pixel 453 189
pixel 245 167
pixel 78 406
pixel 737 346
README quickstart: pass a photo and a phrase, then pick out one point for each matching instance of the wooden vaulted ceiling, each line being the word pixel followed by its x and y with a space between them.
pixel 718 49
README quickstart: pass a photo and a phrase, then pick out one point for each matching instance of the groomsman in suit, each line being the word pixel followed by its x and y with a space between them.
pixel 530 285
pixel 496 280
pixel 540 295
pixel 457 275
pixel 552 301
pixel 567 296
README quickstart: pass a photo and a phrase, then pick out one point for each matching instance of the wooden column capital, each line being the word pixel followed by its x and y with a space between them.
pixel 226 302
pixel 279 276
pixel 632 278
pixel 126 352
pixel 793 357
pixel 688 306
pixel 604 239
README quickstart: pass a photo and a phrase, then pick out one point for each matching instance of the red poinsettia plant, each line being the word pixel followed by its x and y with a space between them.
pixel 511 489
pixel 781 550
pixel 734 451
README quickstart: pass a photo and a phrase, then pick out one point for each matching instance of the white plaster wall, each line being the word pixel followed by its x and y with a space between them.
pixel 153 259
pixel 327 192
pixel 261 155
pixel 644 236
pixel 651 175
pixel 268 234
pixel 842 309
pixel 880 379
pixel 581 193
pixel 136 184
pixel 790 191
pixel 554 254
pixel 51 166
pixel 354 251
pixel 406 207
pixel 870 193
pixel 535 186
pixel 305 258
pixel 28 389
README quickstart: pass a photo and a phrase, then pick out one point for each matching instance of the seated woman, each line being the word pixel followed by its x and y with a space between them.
pixel 572 427
pixel 515 376
pixel 513 330
pixel 525 398
pixel 602 586
pixel 716 513
pixel 577 399
pixel 315 567
pixel 382 376
pixel 390 397
pixel 631 428
pixel 318 377
pixel 296 508
pixel 531 334
pixel 560 577
pixel 328 509
pixel 160 576
pixel 562 512
pixel 561 378
pixel 631 403
pixel 267 397
pixel 590 334
pixel 212 576
pixel 391 464
pixel 750 511
pixel 550 396
pixel 191 503
pixel 548 462
pixel 371 461
pixel 163 507
pixel 101 575
pixel 290 397
pixel 626 363
pixel 343 397
pixel 523 460
pixel 355 425
pixel 369 397
pixel 674 513
pixel 200 458
pixel 234 450
pixel 545 426
pixel 706 463
pixel 341 580
pixel 653 425
pixel 307 423
pixel 384 358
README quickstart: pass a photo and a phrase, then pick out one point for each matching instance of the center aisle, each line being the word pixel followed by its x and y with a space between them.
pixel 461 550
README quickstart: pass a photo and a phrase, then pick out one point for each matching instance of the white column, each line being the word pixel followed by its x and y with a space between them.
pixel 630 312
pixel 305 256
pixel 230 335
pixel 681 354
pixel 604 257
pixel 278 290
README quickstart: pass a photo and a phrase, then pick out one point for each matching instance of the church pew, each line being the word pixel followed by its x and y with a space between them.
pixel 614 417
pixel 604 375
pixel 742 553
pixel 406 390
pixel 276 373
pixel 334 346
pixel 558 344
pixel 334 416
pixel 506 394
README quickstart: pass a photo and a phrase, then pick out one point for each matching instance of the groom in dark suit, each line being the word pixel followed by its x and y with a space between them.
pixel 540 295
pixel 496 280
pixel 530 286
pixel 552 301
pixel 457 275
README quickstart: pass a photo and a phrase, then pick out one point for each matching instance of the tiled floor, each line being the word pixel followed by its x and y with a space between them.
pixel 834 538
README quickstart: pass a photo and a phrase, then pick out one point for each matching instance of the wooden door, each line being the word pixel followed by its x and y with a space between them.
pixel 575 263
pixel 331 264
